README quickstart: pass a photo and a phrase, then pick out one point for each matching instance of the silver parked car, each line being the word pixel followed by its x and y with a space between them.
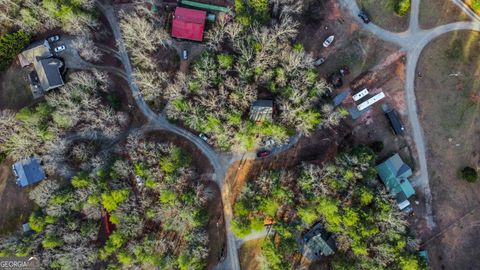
pixel 319 61
pixel 53 38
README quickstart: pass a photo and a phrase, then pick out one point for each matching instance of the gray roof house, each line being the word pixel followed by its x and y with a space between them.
pixel 261 110
pixel 44 70
pixel 28 171
pixel 317 242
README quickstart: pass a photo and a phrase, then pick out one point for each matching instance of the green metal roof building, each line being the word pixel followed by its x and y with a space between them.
pixel 394 174
pixel 205 6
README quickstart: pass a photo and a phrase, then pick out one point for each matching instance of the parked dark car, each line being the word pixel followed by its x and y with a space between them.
pixel 395 122
pixel 319 61
pixel 263 153
pixel 363 15
pixel 344 71
pixel 335 79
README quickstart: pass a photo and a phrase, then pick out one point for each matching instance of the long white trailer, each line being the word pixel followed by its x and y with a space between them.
pixel 360 94
pixel 371 101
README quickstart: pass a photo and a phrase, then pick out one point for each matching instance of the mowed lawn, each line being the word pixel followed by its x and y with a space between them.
pixel 15 205
pixel 448 96
pixel 382 14
pixel 439 12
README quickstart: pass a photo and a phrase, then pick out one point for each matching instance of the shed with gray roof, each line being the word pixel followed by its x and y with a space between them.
pixel 261 110
pixel 28 171
pixel 317 242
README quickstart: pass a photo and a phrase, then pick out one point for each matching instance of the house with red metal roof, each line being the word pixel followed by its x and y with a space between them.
pixel 188 23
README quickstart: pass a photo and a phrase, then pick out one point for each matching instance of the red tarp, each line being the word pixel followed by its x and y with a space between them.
pixel 188 23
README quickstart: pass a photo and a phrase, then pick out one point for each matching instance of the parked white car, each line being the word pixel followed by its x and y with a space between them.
pixel 60 48
pixel 328 41
pixel 269 143
pixel 203 137
pixel 53 38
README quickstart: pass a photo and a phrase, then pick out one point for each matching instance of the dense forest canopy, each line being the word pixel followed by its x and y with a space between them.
pixel 250 57
pixel 346 197
pixel 159 221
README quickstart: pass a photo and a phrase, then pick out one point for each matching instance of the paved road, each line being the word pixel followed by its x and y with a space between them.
pixel 413 41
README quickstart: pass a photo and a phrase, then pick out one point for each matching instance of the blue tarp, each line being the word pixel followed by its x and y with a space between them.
pixel 338 99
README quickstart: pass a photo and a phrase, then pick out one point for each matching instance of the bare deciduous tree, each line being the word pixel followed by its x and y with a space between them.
pixel 87 49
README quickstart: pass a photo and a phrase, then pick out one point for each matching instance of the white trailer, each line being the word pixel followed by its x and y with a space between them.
pixel 360 94
pixel 371 101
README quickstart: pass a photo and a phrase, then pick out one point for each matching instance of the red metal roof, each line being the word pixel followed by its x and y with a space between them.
pixel 188 23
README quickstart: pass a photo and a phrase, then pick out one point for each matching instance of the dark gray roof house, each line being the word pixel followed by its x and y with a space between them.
pixel 28 171
pixel 48 72
pixel 261 110
pixel 44 70
pixel 317 242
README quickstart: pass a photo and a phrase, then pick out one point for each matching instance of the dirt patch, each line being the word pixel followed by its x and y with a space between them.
pixel 439 12
pixel 248 254
pixel 450 117
pixel 16 207
pixel 317 148
pixel 14 89
pixel 167 60
pixel 357 49
pixel 387 76
pixel 382 14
